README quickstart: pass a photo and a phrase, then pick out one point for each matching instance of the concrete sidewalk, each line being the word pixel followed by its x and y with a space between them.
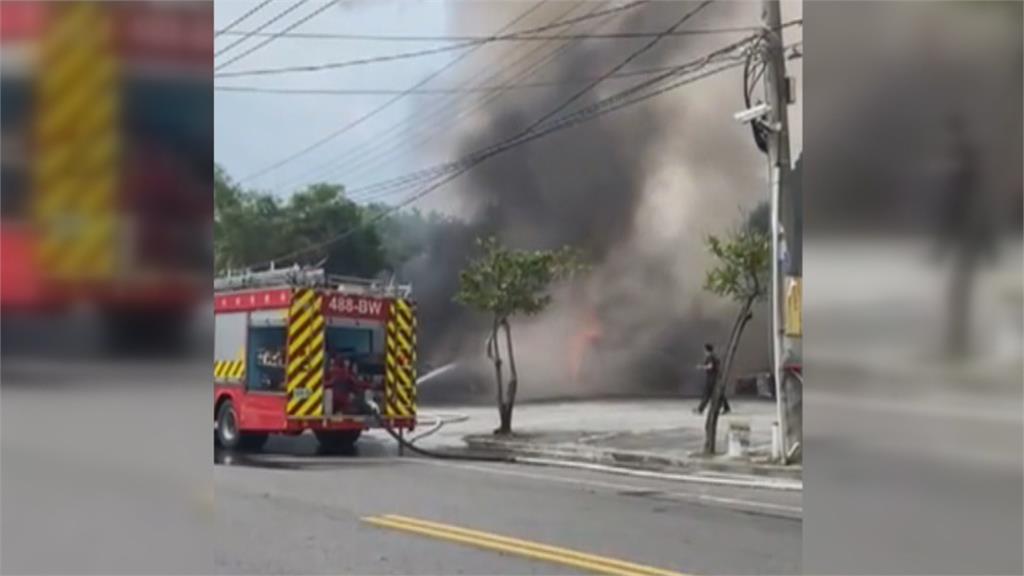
pixel 654 434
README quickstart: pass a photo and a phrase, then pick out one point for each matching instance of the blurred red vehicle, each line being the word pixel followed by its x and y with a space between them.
pixel 130 232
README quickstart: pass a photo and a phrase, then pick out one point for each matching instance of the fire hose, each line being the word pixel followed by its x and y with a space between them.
pixel 410 445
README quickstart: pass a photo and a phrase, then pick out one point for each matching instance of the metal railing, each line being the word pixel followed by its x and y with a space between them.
pixel 299 277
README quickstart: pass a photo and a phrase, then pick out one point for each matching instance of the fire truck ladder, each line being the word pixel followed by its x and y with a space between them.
pixel 310 278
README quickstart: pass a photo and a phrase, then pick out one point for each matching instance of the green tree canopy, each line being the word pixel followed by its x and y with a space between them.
pixel 315 225
pixel 504 283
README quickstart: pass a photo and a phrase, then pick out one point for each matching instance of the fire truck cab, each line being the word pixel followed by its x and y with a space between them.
pixel 299 350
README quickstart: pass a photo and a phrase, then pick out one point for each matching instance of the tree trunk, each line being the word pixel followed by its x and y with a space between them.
pixel 513 382
pixel 494 352
pixel 711 424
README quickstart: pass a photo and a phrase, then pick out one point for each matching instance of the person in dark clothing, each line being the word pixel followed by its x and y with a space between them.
pixel 711 367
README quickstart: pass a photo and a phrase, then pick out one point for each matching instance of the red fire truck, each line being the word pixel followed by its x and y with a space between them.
pixel 298 350
pixel 106 124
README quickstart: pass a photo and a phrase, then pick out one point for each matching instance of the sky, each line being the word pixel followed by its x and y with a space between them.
pixel 254 131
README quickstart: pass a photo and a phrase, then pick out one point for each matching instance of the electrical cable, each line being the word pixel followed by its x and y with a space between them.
pixel 431 173
pixel 460 168
pixel 436 91
pixel 280 15
pixel 514 37
pixel 636 54
pixel 630 58
pixel 273 37
pixel 390 57
pixel 240 19
pixel 758 131
pixel 334 134
pixel 426 175
pixel 571 120
pixel 428 127
pixel 349 63
pixel 341 161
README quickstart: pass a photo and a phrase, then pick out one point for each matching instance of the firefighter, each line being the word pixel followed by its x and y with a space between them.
pixel 343 377
pixel 711 367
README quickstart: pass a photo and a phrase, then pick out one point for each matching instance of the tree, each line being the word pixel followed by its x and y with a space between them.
pixel 505 283
pixel 322 225
pixel 248 226
pixel 315 225
pixel 741 272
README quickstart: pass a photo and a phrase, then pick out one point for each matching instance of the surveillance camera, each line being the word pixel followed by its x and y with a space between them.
pixel 752 114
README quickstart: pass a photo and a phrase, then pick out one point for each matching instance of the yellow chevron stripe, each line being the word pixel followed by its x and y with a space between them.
pixel 57 120
pixel 314 405
pixel 313 384
pixel 54 162
pixel 68 20
pixel 302 378
pixel 102 116
pixel 79 194
pixel 403 378
pixel 299 338
pixel 53 198
pixel 65 68
pixel 403 323
pixel 103 152
pixel 96 235
pixel 402 396
pixel 403 343
pixel 301 299
pixel 403 307
pixel 98 196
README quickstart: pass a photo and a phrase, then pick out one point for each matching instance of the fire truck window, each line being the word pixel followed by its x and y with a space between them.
pixel 353 343
pixel 266 358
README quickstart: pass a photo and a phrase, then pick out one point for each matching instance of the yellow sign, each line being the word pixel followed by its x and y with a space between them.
pixel 794 307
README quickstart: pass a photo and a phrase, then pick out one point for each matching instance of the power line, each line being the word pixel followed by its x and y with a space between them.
pixel 570 121
pixel 636 54
pixel 633 56
pixel 514 37
pixel 280 15
pixel 382 107
pixel 435 91
pixel 619 100
pixel 419 53
pixel 599 108
pixel 376 191
pixel 341 162
pixel 428 174
pixel 349 63
pixel 273 37
pixel 240 19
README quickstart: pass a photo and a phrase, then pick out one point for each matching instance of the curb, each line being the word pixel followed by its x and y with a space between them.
pixel 636 460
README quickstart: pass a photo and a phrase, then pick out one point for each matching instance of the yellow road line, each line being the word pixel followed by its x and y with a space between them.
pixel 528 549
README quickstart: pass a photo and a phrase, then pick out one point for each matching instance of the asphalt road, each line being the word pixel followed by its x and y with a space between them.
pixel 294 512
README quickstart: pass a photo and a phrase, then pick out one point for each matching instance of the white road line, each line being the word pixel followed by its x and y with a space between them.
pixel 796 511
pixel 786 485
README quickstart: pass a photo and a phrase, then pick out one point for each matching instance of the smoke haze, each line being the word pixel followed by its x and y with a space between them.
pixel 636 190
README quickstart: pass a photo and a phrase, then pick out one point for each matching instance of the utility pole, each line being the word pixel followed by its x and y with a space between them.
pixel 784 213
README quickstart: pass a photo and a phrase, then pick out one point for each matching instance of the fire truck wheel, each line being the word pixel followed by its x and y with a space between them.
pixel 337 441
pixel 228 436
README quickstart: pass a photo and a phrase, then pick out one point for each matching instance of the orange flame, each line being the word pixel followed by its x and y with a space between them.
pixel 582 341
